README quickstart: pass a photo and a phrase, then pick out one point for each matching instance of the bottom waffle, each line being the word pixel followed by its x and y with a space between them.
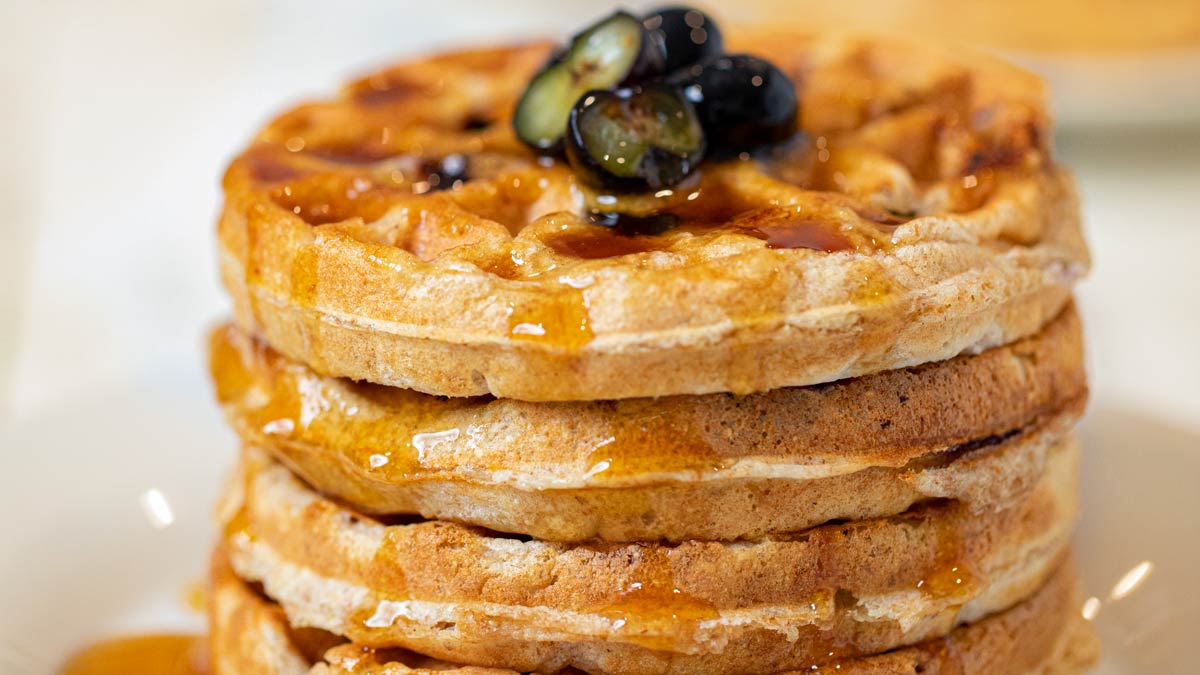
pixel 774 604
pixel 1043 635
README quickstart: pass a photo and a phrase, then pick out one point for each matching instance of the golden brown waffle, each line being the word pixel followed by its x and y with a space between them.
pixel 773 604
pixel 918 216
pixel 974 428
pixel 1044 634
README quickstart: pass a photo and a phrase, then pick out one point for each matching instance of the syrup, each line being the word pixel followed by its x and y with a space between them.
pixel 559 320
pixel 649 441
pixel 390 89
pixel 952 576
pixel 304 276
pixel 651 610
pixel 801 233
pixel 871 285
pixel 143 655
pixel 294 410
pixel 786 229
pixel 195 596
pixel 270 164
pixel 594 245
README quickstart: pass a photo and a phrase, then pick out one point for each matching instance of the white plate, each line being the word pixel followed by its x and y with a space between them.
pixel 88 558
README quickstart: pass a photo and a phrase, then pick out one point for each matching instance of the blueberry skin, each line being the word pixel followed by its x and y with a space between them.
pixel 743 101
pixel 631 140
pixel 690 35
pixel 613 52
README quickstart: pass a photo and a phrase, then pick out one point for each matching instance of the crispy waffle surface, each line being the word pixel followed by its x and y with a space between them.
pixel 400 234
pixel 1043 635
pixel 975 429
pixel 773 604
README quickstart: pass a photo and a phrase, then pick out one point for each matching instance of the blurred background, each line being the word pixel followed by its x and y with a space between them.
pixel 119 116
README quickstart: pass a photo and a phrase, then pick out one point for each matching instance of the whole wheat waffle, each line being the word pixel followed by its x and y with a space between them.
pixel 778 603
pixel 974 428
pixel 1043 634
pixel 918 216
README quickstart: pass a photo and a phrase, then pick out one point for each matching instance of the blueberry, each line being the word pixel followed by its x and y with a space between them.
pixel 613 52
pixel 689 34
pixel 743 101
pixel 634 139
pixel 445 173
pixel 632 226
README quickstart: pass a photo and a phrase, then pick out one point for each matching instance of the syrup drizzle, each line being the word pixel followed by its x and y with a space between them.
pixel 648 441
pixel 651 610
pixel 598 245
pixel 559 320
pixel 293 409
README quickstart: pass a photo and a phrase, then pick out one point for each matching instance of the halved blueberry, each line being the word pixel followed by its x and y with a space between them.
pixel 616 51
pixel 633 139
pixel 743 101
pixel 689 34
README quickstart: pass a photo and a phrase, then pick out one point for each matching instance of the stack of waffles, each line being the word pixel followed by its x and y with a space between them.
pixel 810 411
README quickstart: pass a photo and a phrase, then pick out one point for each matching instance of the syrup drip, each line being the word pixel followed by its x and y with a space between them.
pixel 873 285
pixel 560 320
pixel 294 410
pixel 592 245
pixel 648 441
pixel 290 408
pixel 270 164
pixel 304 280
pixel 952 576
pixel 331 198
pixel 783 228
pixel 651 610
pixel 391 89
pixel 195 596
pixel 800 233
pixel 142 655
pixel 361 155
pixel 388 569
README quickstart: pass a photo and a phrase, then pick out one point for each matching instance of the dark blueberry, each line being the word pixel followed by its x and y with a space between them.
pixel 630 225
pixel 613 52
pixel 689 34
pixel 634 139
pixel 743 101
pixel 445 173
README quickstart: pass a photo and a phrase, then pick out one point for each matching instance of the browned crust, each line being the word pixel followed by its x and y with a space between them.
pixel 695 607
pixel 1044 634
pixel 708 467
pixel 422 292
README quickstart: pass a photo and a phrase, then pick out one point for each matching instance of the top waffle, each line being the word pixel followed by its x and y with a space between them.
pixel 399 233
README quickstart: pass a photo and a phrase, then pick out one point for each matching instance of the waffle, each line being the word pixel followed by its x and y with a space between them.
pixel 974 429
pixel 1042 635
pixel 773 604
pixel 919 216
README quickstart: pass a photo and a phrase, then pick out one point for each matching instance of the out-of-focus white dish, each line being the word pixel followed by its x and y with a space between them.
pixel 1155 88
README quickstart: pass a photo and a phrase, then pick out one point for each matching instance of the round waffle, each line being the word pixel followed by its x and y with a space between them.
pixel 400 234
pixel 715 467
pixel 773 604
pixel 1043 634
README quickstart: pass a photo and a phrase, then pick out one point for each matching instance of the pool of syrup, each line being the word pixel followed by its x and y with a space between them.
pixel 162 654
